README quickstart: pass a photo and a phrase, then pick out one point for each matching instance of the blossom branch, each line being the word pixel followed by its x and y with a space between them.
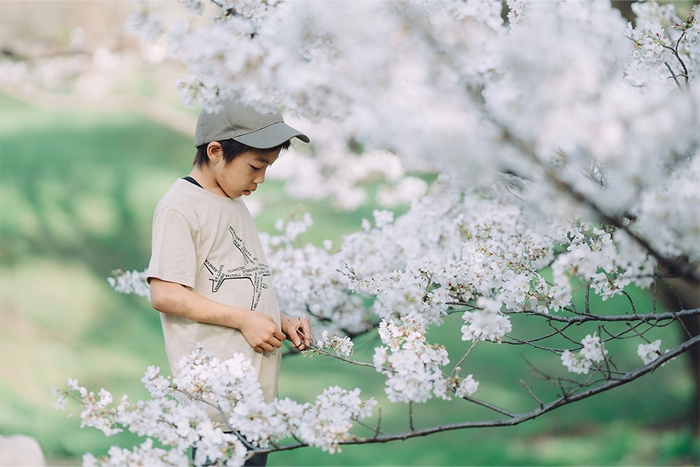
pixel 647 317
pixel 674 51
pixel 565 399
pixel 680 268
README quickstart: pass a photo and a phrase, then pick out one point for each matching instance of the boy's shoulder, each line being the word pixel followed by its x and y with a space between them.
pixel 177 193
pixel 182 196
pixel 189 199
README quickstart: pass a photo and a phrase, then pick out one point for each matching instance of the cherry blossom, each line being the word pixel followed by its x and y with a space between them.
pixel 591 352
pixel 649 352
pixel 180 415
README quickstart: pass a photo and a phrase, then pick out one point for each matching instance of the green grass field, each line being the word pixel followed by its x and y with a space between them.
pixel 77 191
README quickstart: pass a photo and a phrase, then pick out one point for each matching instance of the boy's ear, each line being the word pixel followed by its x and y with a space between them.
pixel 214 151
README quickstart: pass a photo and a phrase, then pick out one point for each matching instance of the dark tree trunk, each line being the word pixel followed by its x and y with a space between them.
pixel 683 294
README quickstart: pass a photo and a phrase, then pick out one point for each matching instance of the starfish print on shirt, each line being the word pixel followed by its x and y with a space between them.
pixel 252 269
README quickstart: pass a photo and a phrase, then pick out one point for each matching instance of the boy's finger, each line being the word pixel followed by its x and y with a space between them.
pixel 307 337
pixel 300 341
pixel 302 330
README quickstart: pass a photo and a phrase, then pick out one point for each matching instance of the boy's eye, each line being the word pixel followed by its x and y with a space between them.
pixel 255 168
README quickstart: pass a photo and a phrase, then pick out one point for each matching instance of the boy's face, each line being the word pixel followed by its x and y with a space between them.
pixel 241 176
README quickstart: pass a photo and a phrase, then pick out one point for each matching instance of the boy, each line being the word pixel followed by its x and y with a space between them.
pixel 208 273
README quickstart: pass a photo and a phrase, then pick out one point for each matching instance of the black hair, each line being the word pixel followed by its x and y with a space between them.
pixel 231 149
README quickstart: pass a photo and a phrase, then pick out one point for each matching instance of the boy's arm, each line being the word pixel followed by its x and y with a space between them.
pixel 259 329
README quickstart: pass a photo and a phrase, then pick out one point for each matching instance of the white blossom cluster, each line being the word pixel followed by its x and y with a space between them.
pixel 664 216
pixel 145 454
pixel 130 282
pixel 177 415
pixel 330 419
pixel 308 281
pixel 413 367
pixel 564 94
pixel 504 252
pixel 341 175
pixel 45 74
pixel 464 248
pixel 454 75
pixel 610 261
pixel 658 30
pixel 487 325
pixel 592 351
pixel 341 346
pixel 649 352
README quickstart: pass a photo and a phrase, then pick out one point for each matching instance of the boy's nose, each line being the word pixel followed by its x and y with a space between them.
pixel 260 176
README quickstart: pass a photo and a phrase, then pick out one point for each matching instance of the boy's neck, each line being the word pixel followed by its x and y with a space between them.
pixel 205 177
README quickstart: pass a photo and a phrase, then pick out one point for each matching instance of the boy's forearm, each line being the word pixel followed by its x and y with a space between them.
pixel 173 298
pixel 259 329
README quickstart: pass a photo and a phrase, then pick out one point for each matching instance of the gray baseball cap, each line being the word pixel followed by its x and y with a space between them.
pixel 245 125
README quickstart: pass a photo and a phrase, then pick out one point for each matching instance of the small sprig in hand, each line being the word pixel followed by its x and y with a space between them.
pixel 298 331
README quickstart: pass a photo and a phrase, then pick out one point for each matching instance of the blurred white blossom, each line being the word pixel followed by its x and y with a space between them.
pixel 130 282
pixel 592 352
pixel 649 352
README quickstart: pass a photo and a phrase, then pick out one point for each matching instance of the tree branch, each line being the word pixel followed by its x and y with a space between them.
pixel 560 402
pixel 567 397
pixel 648 317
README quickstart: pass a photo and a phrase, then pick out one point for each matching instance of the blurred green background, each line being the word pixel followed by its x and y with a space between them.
pixel 79 179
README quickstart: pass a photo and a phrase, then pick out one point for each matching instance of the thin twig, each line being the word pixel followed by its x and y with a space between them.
pixel 459 363
pixel 673 74
pixel 364 425
pixel 379 424
pixel 343 359
pixel 495 408
pixel 532 394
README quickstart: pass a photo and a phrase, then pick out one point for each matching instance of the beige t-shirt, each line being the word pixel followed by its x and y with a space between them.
pixel 209 244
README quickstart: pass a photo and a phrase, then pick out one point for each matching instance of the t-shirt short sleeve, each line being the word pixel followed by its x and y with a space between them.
pixel 173 255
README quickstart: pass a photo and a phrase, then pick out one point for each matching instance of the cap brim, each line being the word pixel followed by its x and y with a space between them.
pixel 271 136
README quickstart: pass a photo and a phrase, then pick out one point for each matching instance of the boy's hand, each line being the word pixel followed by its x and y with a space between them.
pixel 261 332
pixel 297 330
